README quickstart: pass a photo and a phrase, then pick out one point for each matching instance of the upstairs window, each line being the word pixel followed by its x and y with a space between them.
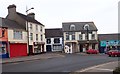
pixel 36 37
pixel 41 37
pixel 67 36
pixel 93 36
pixel 3 32
pixel 73 35
pixel 41 29
pixel 36 27
pixel 31 36
pixel 56 40
pixel 80 36
pixel 48 41
pixel 30 26
pixel 17 34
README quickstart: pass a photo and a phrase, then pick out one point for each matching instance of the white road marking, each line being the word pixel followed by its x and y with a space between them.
pixel 93 67
pixel 103 69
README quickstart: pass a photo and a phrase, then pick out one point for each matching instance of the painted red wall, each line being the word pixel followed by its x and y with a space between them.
pixel 18 49
pixel 5 36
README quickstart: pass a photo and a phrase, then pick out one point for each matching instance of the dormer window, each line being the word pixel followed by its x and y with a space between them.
pixel 72 27
pixel 86 27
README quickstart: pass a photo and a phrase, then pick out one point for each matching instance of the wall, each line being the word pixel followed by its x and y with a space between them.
pixel 34 31
pixel 12 40
pixel 5 38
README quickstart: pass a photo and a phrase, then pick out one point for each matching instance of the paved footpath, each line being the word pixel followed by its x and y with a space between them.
pixel 31 57
pixel 106 67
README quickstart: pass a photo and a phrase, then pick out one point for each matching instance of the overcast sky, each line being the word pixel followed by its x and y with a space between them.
pixel 51 13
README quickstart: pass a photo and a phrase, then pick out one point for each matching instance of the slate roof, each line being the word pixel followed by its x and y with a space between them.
pixel 29 19
pixel 10 24
pixel 78 26
pixel 54 32
pixel 105 37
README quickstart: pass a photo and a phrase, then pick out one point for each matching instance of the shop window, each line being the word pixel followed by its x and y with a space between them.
pixel 2 49
pixel 93 46
pixel 57 47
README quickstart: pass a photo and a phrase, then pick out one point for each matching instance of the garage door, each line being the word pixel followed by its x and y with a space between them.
pixel 18 49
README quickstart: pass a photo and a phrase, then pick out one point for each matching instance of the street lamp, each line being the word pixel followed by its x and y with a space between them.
pixel 86 27
pixel 28 28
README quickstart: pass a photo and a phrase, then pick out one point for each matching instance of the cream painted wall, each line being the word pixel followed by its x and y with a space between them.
pixel 34 31
pixel 96 36
pixel 12 40
pixel 83 36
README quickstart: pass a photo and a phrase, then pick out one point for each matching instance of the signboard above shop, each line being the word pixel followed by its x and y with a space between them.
pixel 110 43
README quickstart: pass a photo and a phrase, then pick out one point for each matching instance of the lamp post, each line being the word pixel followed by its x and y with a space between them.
pixel 28 29
pixel 86 28
pixel 87 37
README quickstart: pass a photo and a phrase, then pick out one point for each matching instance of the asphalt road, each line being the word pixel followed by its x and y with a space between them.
pixel 69 63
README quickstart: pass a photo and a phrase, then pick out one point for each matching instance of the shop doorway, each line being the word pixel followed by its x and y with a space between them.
pixel 81 47
pixel 48 48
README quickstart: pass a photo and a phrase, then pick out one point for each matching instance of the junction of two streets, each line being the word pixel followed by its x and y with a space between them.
pixel 68 63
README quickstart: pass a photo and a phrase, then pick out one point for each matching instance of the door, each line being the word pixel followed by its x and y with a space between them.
pixel 30 49
pixel 18 49
pixel 81 47
pixel 48 48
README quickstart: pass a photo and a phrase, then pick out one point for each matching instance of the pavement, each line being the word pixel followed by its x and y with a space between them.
pixel 31 57
pixel 106 67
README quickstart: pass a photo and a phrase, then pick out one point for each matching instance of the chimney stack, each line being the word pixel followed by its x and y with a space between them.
pixel 32 15
pixel 11 9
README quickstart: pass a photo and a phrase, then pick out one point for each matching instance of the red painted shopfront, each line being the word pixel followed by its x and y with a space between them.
pixel 18 49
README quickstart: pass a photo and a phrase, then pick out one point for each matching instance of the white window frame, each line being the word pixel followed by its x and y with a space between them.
pixel 31 27
pixel 17 35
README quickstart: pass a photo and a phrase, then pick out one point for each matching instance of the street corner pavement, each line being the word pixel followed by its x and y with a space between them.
pixel 31 57
pixel 106 67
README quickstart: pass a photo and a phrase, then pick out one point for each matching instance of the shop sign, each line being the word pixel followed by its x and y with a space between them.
pixel 110 43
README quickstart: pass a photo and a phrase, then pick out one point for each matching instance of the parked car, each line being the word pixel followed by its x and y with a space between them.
pixel 113 53
pixel 92 51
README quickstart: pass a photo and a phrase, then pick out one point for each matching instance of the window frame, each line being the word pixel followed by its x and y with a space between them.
pixel 36 37
pixel 36 27
pixel 41 37
pixel 67 36
pixel 48 41
pixel 56 40
pixel 31 26
pixel 73 35
pixel 31 36
pixel 17 35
